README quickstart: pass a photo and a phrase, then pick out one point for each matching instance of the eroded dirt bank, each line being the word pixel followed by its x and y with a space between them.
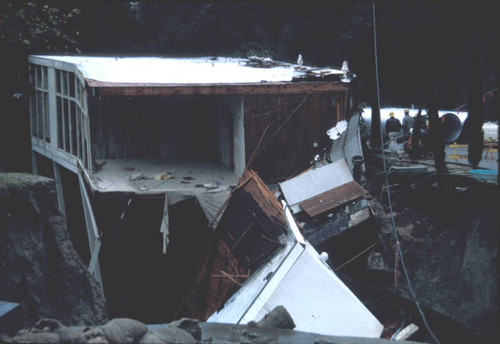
pixel 39 267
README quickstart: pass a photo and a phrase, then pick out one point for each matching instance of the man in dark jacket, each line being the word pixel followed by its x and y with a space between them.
pixel 392 128
pixel 407 124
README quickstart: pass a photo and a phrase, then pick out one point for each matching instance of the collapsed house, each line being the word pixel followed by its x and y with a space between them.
pixel 145 152
pixel 258 259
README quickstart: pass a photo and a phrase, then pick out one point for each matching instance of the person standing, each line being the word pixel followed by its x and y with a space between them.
pixel 407 124
pixel 392 128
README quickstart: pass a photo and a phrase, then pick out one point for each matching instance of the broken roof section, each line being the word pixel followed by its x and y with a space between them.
pixel 258 259
pixel 156 71
pixel 249 232
pixel 326 199
pixel 324 187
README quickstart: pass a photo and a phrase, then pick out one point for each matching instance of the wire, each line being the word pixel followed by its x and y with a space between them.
pixel 398 243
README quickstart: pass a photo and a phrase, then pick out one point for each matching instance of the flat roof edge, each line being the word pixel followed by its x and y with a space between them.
pixel 146 89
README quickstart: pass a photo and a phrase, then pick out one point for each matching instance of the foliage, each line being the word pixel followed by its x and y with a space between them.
pixel 38 26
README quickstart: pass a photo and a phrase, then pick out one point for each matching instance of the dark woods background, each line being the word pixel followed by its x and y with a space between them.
pixel 424 47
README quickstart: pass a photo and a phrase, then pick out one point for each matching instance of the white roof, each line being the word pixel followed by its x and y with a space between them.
pixel 316 299
pixel 163 70
pixel 315 182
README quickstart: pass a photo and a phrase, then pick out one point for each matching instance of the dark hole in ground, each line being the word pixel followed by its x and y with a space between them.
pixel 140 282
pixel 74 214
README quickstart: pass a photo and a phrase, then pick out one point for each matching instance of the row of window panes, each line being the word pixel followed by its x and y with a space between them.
pixel 38 76
pixel 72 128
pixel 67 84
pixel 40 126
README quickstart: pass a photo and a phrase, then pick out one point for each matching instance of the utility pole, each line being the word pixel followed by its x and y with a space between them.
pixel 376 134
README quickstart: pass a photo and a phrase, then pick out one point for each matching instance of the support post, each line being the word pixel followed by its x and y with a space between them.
pixel 34 163
pixel 59 188
pixel 92 232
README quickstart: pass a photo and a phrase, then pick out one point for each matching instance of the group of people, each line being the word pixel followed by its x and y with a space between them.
pixel 393 127
pixel 402 132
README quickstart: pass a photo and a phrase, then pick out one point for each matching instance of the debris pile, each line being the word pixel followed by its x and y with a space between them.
pixel 275 327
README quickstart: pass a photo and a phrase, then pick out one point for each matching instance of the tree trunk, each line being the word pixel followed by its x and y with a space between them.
pixel 475 115
pixel 436 135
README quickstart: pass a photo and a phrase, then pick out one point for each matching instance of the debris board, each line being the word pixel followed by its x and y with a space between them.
pixel 333 198
pixel 316 182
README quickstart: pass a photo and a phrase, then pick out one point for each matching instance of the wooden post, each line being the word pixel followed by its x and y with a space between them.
pixel 59 188
pixel 51 76
pixel 34 162
pixel 92 232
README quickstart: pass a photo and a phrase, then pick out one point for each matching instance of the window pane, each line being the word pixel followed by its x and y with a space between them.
pixel 44 77
pixel 58 80
pixel 39 114
pixel 79 131
pixel 38 76
pixel 71 77
pixel 65 83
pixel 33 114
pixel 46 117
pixel 60 124
pixel 77 96
pixel 73 127
pixel 66 124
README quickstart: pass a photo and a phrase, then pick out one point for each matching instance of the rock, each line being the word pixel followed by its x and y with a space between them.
pixel 190 325
pixel 124 330
pixel 279 318
pixel 169 335
pixel 82 335
pixel 376 261
pixel 43 331
pixel 34 337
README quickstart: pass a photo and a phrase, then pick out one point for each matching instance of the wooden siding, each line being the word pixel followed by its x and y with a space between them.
pixel 287 146
pixel 245 238
pixel 159 127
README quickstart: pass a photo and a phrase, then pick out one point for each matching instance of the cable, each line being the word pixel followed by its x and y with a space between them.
pixel 400 250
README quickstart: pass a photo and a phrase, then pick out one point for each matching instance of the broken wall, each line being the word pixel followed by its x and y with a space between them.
pixel 246 236
pixel 297 131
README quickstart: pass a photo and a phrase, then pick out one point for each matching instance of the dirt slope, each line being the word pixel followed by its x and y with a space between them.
pixel 39 267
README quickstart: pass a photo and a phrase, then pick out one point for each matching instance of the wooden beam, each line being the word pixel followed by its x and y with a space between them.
pixel 59 188
pixel 115 89
pixel 333 198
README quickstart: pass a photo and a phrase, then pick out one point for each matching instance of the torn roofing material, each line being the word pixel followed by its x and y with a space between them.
pixel 315 182
pixel 169 70
pixel 333 198
pixel 247 235
pixel 326 199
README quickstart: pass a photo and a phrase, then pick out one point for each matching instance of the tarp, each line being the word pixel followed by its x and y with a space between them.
pixel 210 202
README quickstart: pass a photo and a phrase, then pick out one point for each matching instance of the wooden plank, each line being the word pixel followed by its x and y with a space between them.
pixel 117 89
pixel 333 198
